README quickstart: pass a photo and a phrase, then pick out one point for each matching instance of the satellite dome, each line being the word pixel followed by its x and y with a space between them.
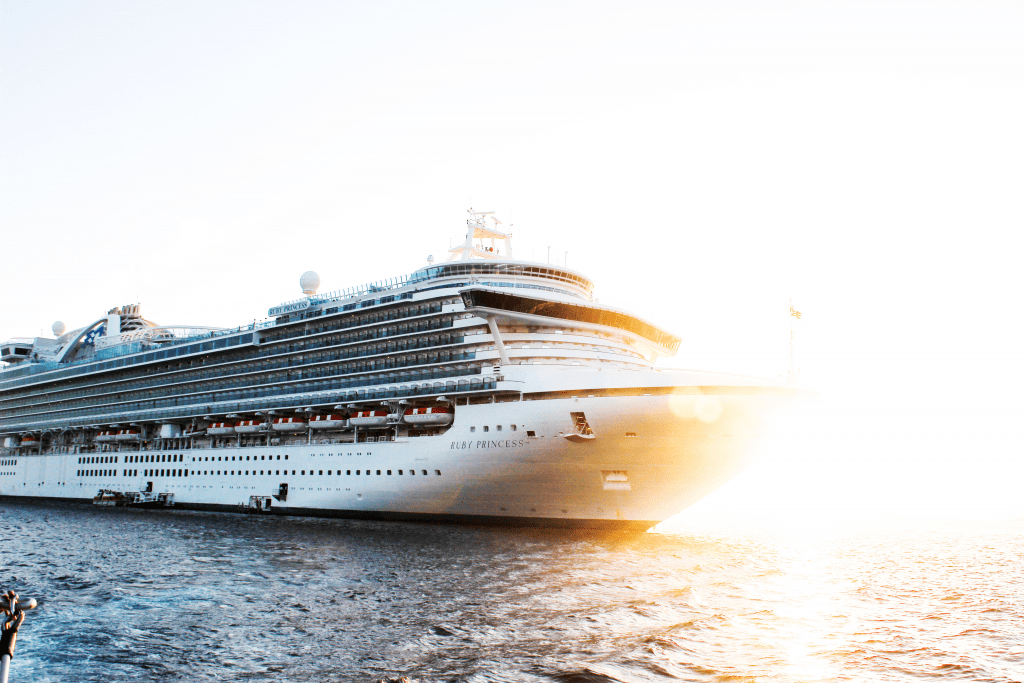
pixel 309 282
pixel 58 328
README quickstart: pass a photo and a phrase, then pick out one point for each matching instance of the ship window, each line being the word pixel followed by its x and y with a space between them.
pixel 530 432
pixel 498 428
pixel 304 471
pixel 472 429
pixel 357 471
pixel 399 471
pixel 285 457
pixel 486 428
pixel 437 472
pixel 513 427
pixel 378 472
pixel 322 472
pixel 293 471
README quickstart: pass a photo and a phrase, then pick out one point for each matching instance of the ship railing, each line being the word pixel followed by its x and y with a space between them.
pixel 353 292
pixel 445 271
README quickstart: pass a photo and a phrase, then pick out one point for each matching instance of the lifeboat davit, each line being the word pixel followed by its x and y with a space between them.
pixel 29 440
pixel 128 435
pixel 221 429
pixel 289 424
pixel 435 415
pixel 104 437
pixel 249 426
pixel 328 422
pixel 369 418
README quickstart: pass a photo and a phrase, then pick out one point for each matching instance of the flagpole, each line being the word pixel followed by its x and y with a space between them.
pixel 792 369
pixel 793 315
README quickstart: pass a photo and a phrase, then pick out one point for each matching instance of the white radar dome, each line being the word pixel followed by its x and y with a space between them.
pixel 58 328
pixel 309 282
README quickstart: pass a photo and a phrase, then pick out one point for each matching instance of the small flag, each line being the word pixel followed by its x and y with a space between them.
pixel 795 313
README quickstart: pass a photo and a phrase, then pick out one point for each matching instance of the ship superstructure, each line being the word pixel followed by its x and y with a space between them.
pixel 483 388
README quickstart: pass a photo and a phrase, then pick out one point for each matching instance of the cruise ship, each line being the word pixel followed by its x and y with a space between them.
pixel 482 389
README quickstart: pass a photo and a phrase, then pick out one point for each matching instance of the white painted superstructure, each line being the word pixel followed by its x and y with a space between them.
pixel 554 411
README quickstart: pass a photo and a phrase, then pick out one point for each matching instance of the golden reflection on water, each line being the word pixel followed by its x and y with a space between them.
pixel 876 603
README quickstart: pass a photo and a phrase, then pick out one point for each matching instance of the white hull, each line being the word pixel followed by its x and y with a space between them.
pixel 684 447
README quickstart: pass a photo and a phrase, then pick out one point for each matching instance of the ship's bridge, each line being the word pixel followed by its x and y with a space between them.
pixel 16 350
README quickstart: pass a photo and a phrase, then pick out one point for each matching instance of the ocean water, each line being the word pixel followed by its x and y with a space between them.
pixel 134 595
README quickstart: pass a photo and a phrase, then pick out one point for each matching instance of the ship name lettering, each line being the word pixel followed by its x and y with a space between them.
pixel 505 443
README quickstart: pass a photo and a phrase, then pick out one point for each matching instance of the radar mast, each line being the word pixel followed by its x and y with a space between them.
pixel 477 228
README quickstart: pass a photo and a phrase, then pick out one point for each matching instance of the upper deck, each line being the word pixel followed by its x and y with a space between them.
pixel 408 336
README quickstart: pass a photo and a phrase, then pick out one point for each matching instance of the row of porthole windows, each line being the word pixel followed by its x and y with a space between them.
pixel 102 459
pixel 303 472
pixel 133 473
pixel 262 457
pixel 99 459
pixel 155 458
pixel 163 473
pixel 184 473
pixel 8 462
pixel 497 428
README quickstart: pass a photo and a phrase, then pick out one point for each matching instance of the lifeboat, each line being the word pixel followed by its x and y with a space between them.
pixel 249 426
pixel 369 418
pixel 29 440
pixel 106 437
pixel 328 422
pixel 221 429
pixel 289 424
pixel 435 415
pixel 130 434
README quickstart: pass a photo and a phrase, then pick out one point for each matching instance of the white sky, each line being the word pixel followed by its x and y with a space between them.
pixel 702 162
